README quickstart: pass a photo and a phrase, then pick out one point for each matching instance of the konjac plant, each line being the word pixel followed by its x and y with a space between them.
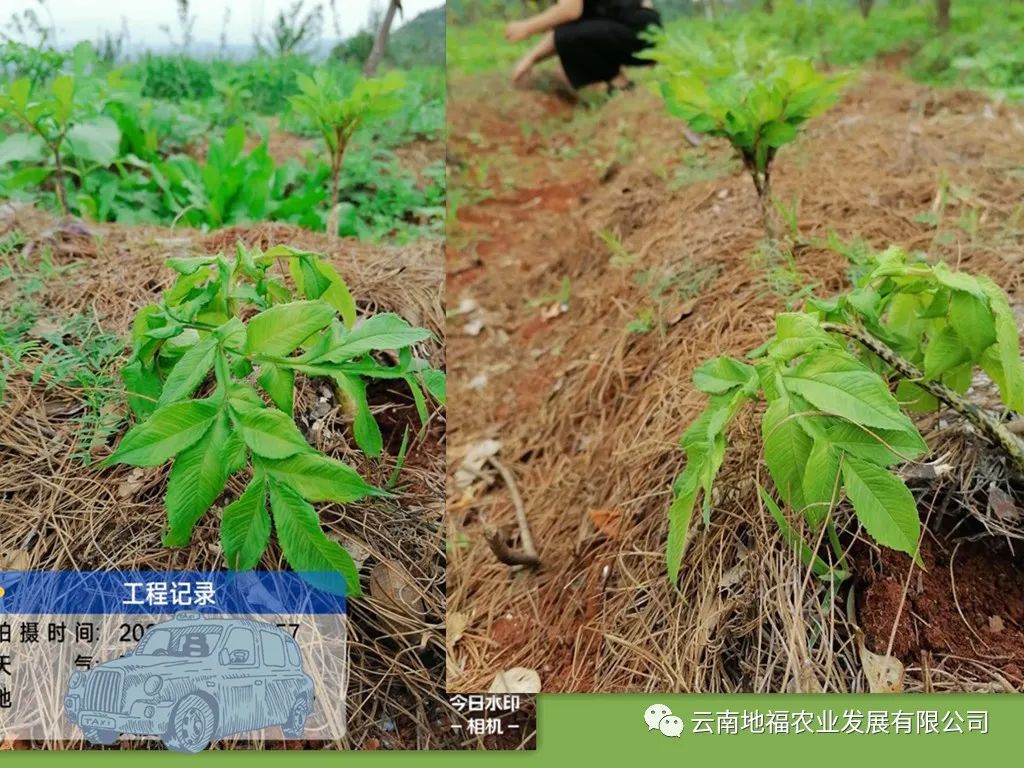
pixel 756 100
pixel 212 378
pixel 839 380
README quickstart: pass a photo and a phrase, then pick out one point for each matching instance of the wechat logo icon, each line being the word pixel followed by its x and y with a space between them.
pixel 660 718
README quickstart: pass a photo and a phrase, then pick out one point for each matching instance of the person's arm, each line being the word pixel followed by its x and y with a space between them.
pixel 561 12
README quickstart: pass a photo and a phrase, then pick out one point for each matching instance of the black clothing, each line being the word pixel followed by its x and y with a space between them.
pixel 604 39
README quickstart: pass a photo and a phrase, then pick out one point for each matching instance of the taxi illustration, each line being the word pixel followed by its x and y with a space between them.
pixel 191 680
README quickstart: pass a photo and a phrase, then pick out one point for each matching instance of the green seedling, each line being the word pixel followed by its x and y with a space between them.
pixel 758 103
pixel 833 428
pixel 226 322
pixel 338 115
pixel 56 126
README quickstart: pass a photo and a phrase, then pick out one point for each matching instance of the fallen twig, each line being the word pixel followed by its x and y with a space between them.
pixel 528 556
pixel 504 553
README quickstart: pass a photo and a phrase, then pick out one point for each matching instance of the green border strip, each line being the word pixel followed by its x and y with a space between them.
pixel 596 730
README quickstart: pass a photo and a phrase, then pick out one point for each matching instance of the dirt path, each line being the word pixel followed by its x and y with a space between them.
pixel 596 259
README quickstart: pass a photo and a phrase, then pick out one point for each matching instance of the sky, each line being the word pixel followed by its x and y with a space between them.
pixel 86 19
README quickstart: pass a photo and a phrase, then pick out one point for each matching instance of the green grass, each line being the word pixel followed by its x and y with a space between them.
pixel 73 352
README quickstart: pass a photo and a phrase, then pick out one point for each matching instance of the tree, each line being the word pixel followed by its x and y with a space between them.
pixel 291 30
pixel 186 25
pixel 383 34
pixel 942 15
pixel 865 7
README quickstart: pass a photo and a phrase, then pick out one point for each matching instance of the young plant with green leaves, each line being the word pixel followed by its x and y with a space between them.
pixel 58 123
pixel 833 428
pixel 212 380
pixel 337 114
pixel 757 101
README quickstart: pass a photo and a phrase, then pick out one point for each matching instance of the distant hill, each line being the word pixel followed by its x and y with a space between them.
pixel 420 41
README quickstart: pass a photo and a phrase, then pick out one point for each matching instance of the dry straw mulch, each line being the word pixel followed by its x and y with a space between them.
pixel 588 414
pixel 56 512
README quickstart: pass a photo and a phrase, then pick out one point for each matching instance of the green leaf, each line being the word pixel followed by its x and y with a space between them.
pixel 821 481
pixel 279 330
pixel 28 177
pixel 189 265
pixel 436 383
pixel 232 333
pixel 189 372
pixel 242 397
pixel 319 478
pixel 958 281
pixel 236 454
pixel 939 306
pixel 383 331
pixel 914 398
pixel 1009 373
pixel 884 506
pixel 168 431
pixel 839 385
pixel 418 399
pixel 245 527
pixel 270 433
pixel 721 374
pixel 142 385
pixel 164 332
pixel 314 282
pixel 787 448
pixel 801 326
pixel 338 295
pixel 97 140
pixel 279 383
pixel 778 133
pixel 364 426
pixel 883 447
pixel 973 321
pixel 22 148
pixel 303 542
pixel 704 444
pixel 944 351
pixel 197 478
pixel 19 92
pixel 680 515
pixel 959 379
pixel 63 90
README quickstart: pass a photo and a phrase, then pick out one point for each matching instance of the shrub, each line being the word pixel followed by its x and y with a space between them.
pixel 175 78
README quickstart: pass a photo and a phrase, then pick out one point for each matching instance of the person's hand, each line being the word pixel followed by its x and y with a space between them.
pixel 522 69
pixel 516 31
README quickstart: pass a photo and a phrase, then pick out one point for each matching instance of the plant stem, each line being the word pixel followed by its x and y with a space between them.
pixel 339 154
pixel 54 147
pixel 985 422
pixel 60 176
pixel 763 185
pixel 837 547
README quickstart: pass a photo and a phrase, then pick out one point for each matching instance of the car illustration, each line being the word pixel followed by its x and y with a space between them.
pixel 191 680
